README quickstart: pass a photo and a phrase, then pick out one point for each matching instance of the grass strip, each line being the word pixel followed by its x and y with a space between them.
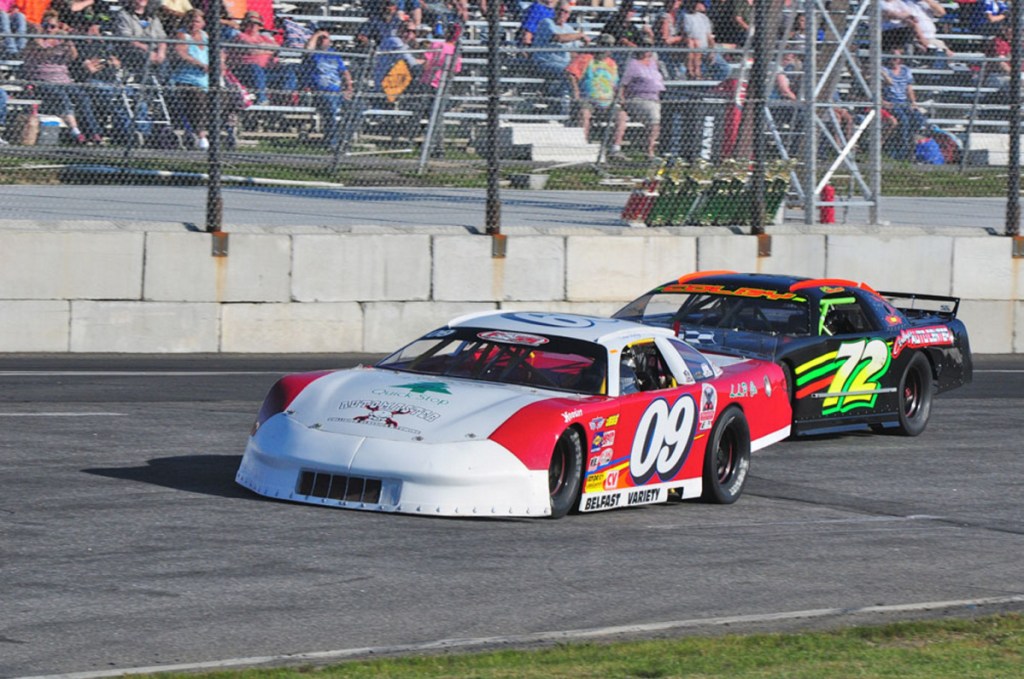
pixel 979 648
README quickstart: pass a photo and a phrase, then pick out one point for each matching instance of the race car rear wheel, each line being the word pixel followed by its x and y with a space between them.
pixel 727 459
pixel 565 473
pixel 915 396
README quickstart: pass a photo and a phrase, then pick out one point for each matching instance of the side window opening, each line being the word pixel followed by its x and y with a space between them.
pixel 642 368
pixel 842 316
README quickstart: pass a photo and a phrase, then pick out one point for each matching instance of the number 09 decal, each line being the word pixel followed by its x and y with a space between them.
pixel 663 439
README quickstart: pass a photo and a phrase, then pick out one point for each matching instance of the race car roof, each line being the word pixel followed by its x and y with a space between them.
pixel 577 326
pixel 731 280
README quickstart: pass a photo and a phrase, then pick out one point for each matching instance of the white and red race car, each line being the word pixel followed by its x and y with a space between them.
pixel 503 414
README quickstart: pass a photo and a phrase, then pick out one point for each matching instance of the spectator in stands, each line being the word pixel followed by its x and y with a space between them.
pixel 13 22
pixel 594 79
pixel 388 76
pixel 640 92
pixel 328 78
pixel 145 54
pixel 535 13
pixel 787 79
pixel 623 26
pixel 441 15
pixel 173 15
pixel 998 71
pixel 785 87
pixel 79 13
pixel 899 100
pixel 385 23
pixel 3 113
pixel 231 14
pixel 253 61
pixel 408 10
pixel 33 10
pixel 743 20
pixel 900 29
pixel 669 36
pixel 925 12
pixel 98 69
pixel 551 63
pixel 191 77
pixel 987 15
pixel 439 57
pixel 47 65
pixel 703 62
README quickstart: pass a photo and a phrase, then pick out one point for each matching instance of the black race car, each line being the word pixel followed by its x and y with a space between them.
pixel 852 356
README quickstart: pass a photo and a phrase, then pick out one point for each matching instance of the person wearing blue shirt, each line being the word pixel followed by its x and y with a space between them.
pixel 900 101
pixel 551 63
pixel 330 82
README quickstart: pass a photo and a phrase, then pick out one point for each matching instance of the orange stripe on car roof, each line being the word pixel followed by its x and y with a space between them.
pixel 819 282
pixel 701 274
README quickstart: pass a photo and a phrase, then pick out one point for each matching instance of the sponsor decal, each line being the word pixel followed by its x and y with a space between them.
pixel 595 482
pixel 385 414
pixel 427 392
pixel 611 480
pixel 596 423
pixel 593 464
pixel 847 378
pixel 424 387
pixel 643 496
pixel 708 406
pixel 613 420
pixel 697 288
pixel 506 337
pixel 893 319
pixel 743 390
pixel 393 407
pixel 602 439
pixel 570 415
pixel 915 338
pixel 601 502
pixel 663 439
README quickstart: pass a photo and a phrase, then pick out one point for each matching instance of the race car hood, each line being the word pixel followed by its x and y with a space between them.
pixel 406 407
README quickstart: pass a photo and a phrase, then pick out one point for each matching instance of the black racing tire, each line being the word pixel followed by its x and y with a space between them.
pixel 787 375
pixel 727 458
pixel 565 473
pixel 915 396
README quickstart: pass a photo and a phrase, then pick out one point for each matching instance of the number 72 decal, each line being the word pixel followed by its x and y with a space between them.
pixel 846 378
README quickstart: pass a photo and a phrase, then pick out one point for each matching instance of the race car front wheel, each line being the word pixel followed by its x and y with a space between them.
pixel 727 458
pixel 565 474
pixel 915 396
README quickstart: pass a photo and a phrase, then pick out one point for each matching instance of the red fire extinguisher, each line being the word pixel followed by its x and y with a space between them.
pixel 827 213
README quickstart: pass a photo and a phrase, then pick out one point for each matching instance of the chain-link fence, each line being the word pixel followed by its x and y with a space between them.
pixel 611 96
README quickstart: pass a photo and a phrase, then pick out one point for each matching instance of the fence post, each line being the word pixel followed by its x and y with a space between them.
pixel 493 210
pixel 214 200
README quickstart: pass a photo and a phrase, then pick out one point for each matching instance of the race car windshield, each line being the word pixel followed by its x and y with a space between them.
pixel 666 309
pixel 555 363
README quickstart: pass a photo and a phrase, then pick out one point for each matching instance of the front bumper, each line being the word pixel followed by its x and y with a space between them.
pixel 287 460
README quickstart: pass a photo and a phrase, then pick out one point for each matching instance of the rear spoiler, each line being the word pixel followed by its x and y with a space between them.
pixel 916 305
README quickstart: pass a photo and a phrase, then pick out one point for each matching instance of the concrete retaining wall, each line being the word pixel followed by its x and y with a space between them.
pixel 163 291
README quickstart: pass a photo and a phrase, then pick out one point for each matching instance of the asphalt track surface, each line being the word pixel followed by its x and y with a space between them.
pixel 124 542
pixel 382 210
